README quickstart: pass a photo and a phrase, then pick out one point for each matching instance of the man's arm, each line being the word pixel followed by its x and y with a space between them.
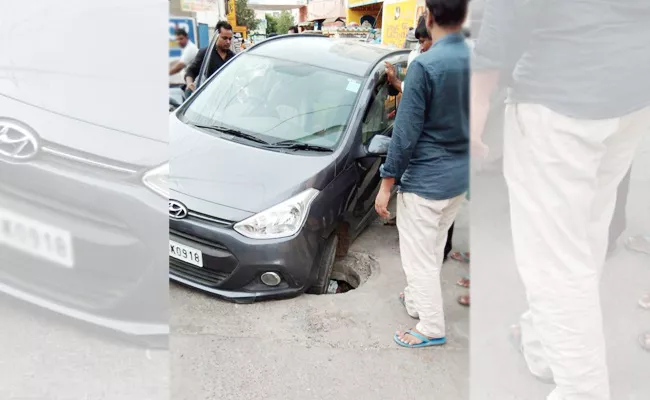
pixel 195 67
pixel 176 68
pixel 495 53
pixel 408 124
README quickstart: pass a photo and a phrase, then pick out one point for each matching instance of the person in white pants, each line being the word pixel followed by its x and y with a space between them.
pixel 576 112
pixel 428 157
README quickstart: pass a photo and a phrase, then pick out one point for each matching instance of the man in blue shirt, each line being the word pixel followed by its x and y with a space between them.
pixel 429 159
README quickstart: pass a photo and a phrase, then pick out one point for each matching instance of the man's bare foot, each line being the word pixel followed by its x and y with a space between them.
pixel 464 300
pixel 408 339
pixel 464 282
pixel 460 256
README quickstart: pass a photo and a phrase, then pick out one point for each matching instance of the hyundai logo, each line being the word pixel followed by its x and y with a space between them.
pixel 177 210
pixel 17 141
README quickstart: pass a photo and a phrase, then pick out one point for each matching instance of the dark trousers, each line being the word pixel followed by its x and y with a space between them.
pixel 619 220
pixel 448 245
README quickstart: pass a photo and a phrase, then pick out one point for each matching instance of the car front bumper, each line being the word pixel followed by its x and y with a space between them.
pixel 233 264
pixel 118 280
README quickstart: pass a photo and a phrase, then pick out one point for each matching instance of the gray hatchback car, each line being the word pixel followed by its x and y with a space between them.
pixel 274 166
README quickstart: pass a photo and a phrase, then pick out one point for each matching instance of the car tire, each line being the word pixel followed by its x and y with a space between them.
pixel 325 266
pixel 343 245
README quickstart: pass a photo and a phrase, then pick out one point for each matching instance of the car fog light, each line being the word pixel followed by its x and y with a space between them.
pixel 271 279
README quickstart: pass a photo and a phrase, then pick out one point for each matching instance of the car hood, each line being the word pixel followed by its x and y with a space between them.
pixel 219 177
pixel 61 83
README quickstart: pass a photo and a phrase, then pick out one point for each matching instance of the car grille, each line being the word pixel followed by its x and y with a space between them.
pixel 196 274
pixel 81 290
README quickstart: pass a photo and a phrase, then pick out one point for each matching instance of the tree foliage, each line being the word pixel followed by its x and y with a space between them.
pixel 271 24
pixel 285 21
pixel 245 16
pixel 279 25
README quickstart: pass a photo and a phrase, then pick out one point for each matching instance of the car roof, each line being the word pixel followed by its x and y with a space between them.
pixel 342 55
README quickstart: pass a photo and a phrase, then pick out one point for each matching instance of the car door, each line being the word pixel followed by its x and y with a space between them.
pixel 206 61
pixel 378 120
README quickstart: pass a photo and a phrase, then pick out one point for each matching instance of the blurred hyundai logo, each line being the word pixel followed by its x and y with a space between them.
pixel 177 210
pixel 17 142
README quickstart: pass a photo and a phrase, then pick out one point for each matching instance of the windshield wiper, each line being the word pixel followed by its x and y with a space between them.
pixel 233 132
pixel 292 145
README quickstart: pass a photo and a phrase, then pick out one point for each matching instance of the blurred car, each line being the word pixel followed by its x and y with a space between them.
pixel 80 184
pixel 274 165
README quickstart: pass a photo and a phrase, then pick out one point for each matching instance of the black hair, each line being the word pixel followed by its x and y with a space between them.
pixel 180 32
pixel 448 13
pixel 422 32
pixel 294 29
pixel 221 25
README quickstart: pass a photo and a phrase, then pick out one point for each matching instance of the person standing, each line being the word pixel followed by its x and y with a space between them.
pixel 189 51
pixel 424 43
pixel 576 112
pixel 221 55
pixel 428 158
pixel 422 35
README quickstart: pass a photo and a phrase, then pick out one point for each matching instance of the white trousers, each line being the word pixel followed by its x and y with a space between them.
pixel 562 175
pixel 423 226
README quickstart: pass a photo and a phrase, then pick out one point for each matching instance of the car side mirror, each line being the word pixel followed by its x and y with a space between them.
pixel 378 145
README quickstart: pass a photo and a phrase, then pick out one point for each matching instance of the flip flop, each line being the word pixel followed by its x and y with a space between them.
pixel 460 257
pixel 460 282
pixel 403 301
pixel 425 342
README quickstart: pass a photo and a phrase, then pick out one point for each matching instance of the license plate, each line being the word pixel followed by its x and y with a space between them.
pixel 185 253
pixel 36 238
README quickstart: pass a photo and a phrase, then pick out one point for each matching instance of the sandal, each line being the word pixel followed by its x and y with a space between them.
pixel 426 342
pixel 460 257
pixel 391 222
pixel 463 282
pixel 464 300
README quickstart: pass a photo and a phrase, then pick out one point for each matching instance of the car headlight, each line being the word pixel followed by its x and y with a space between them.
pixel 157 180
pixel 284 220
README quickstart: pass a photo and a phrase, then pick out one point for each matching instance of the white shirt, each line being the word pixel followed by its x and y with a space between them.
pixel 414 53
pixel 188 54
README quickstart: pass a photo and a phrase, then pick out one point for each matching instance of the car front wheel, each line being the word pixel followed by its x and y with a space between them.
pixel 325 266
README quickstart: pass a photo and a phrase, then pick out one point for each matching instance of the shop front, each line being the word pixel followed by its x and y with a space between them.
pixel 398 17
pixel 393 17
pixel 365 13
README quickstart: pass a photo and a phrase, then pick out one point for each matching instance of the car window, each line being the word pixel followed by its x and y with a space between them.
pixel 277 100
pixel 380 116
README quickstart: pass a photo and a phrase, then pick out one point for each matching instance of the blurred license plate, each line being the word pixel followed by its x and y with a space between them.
pixel 185 253
pixel 36 238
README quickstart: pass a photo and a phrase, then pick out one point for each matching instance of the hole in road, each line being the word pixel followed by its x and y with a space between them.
pixel 350 272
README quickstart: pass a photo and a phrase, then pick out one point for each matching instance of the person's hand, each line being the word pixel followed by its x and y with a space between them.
pixel 390 71
pixel 191 87
pixel 479 150
pixel 381 203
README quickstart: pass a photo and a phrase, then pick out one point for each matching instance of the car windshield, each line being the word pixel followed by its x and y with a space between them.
pixel 277 101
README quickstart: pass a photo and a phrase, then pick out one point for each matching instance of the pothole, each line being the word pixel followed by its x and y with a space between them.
pixel 350 272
